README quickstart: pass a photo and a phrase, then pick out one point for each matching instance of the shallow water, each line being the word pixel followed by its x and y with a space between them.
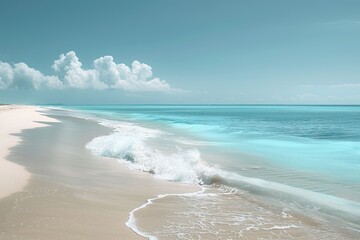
pixel 220 212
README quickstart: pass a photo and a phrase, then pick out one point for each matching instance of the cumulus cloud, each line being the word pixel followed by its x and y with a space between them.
pixel 69 73
pixel 21 76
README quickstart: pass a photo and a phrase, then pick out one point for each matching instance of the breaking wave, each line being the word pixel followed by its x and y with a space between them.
pixel 130 143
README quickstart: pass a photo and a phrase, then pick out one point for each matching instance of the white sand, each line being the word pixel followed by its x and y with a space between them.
pixel 74 195
pixel 14 119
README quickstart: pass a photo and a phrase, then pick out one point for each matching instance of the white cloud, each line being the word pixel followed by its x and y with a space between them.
pixel 69 70
pixel 6 75
pixel 20 76
pixel 69 73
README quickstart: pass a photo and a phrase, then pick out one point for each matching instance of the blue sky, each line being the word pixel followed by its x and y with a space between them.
pixel 277 51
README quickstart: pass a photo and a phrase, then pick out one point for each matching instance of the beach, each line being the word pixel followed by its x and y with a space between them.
pixel 86 174
pixel 56 189
pixel 14 119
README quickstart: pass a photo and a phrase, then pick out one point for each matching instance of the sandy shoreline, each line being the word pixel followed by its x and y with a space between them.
pixel 70 194
pixel 59 190
pixel 14 119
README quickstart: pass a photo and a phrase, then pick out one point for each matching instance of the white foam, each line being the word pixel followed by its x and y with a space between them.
pixel 129 143
pixel 131 222
pixel 281 227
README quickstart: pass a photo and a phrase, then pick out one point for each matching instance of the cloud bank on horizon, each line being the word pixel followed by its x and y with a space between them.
pixel 69 74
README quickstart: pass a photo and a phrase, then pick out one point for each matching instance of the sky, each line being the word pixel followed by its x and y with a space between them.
pixel 166 51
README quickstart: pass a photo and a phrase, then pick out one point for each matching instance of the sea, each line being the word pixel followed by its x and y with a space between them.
pixel 265 171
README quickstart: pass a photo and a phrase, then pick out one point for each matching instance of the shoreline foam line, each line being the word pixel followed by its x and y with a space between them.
pixel 13 120
pixel 131 222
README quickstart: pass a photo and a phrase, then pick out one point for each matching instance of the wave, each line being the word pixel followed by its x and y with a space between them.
pixel 130 143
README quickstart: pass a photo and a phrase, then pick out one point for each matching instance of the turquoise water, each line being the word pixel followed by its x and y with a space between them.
pixel 315 149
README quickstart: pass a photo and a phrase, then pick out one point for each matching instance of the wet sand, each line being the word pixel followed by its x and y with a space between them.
pixel 222 213
pixel 14 119
pixel 72 194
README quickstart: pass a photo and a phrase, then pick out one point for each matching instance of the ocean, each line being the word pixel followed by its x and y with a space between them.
pixel 278 171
